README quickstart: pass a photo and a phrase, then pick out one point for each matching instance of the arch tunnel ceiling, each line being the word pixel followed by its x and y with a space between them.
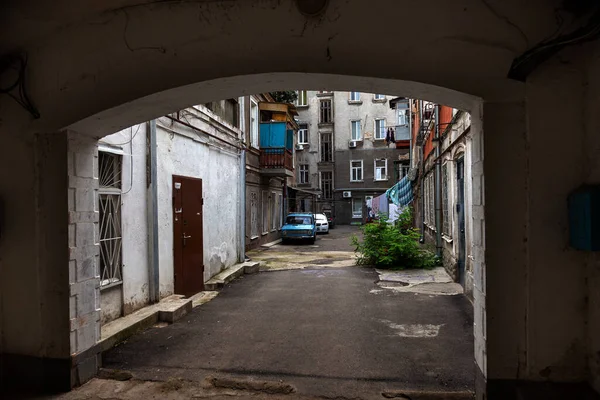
pixel 99 66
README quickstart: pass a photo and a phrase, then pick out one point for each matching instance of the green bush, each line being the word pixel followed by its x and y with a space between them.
pixel 393 245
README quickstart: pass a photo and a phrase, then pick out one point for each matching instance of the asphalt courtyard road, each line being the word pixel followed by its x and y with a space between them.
pixel 325 331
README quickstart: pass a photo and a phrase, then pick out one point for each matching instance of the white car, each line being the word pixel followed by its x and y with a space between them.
pixel 322 223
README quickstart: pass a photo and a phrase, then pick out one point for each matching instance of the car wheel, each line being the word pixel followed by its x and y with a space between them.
pixel 284 241
pixel 312 240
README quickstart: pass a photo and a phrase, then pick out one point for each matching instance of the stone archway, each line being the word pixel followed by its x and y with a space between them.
pixel 96 68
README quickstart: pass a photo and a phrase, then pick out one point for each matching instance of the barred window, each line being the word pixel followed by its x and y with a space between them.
pixel 447 216
pixel 109 171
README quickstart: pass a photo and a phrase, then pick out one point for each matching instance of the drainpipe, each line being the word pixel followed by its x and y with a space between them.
pixel 422 239
pixel 410 144
pixel 242 250
pixel 438 185
pixel 152 197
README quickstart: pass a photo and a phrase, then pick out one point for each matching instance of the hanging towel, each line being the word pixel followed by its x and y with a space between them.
pixel 401 193
pixel 392 138
pixel 387 136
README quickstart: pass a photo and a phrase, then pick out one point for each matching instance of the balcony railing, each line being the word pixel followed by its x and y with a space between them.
pixel 276 157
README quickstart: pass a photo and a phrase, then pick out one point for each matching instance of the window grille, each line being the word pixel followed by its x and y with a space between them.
pixel 447 216
pixel 253 214
pixel 109 166
pixel 109 171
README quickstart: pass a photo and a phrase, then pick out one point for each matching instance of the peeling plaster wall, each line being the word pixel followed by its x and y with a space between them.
pixel 188 153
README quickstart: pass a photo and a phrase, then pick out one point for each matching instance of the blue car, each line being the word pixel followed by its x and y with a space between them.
pixel 299 226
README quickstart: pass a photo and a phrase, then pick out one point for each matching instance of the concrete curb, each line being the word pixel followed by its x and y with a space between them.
pixel 428 395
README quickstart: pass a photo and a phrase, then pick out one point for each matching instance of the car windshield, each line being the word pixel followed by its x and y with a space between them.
pixel 298 220
pixel 321 217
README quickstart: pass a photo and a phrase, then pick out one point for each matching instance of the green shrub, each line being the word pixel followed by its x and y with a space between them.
pixel 393 245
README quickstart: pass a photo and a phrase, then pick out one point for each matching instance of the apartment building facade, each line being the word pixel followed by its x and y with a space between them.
pixel 351 147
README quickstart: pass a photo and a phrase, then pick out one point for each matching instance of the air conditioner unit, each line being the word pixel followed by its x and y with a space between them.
pixel 346 194
pixel 352 144
pixel 299 147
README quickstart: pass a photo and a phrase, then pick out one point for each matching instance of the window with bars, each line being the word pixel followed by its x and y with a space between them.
pixel 274 211
pixel 380 129
pixel 109 172
pixel 381 169
pixel 327 185
pixel 325 115
pixel 280 208
pixel 326 147
pixel 303 134
pixel 356 170
pixel 303 173
pixel 430 200
pixel 253 215
pixel 447 216
pixel 355 130
pixel 265 212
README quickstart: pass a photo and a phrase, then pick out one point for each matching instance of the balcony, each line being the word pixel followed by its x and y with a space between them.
pixel 276 161
pixel 276 149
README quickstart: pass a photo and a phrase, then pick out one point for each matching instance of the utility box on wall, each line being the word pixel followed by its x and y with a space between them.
pixel 584 218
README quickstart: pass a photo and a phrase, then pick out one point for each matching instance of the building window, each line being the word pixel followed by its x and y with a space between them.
pixel 265 212
pixel 326 147
pixel 303 134
pixel 253 215
pixel 325 112
pixel 402 117
pixel 354 96
pixel 356 170
pixel 379 97
pixel 381 169
pixel 254 124
pixel 380 129
pixel 109 169
pixel 327 185
pixel 302 99
pixel 274 204
pixel 400 170
pixel 357 208
pixel 429 201
pixel 446 224
pixel 303 173
pixel 356 133
pixel 280 200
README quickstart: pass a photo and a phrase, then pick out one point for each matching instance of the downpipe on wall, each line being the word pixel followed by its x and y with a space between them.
pixel 438 185
pixel 422 239
pixel 152 198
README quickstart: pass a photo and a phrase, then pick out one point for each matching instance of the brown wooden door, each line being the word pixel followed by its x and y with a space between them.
pixel 188 235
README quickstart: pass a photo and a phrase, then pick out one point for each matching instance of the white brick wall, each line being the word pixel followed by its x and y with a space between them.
pixel 83 243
